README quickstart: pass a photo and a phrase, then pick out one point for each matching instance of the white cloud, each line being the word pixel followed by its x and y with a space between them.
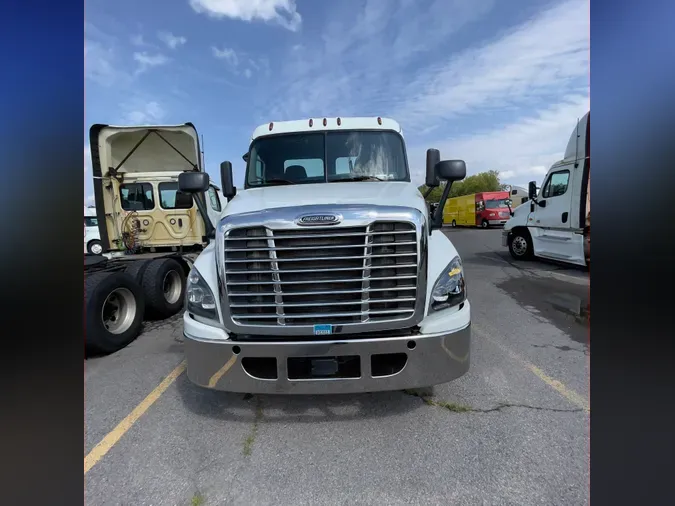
pixel 101 65
pixel 528 83
pixel 520 150
pixel 227 54
pixel 281 12
pixel 138 40
pixel 150 60
pixel 538 59
pixel 146 61
pixel 143 113
pixel 362 63
pixel 171 40
pixel 239 63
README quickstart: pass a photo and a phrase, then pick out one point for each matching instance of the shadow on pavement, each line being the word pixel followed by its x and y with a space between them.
pixel 565 305
pixel 493 258
pixel 293 408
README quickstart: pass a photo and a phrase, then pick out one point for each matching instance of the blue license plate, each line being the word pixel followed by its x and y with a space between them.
pixel 323 330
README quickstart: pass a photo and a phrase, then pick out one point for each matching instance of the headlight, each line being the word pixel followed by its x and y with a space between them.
pixel 450 288
pixel 199 297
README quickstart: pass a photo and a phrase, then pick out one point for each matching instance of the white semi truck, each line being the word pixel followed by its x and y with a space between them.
pixel 327 273
pixel 149 232
pixel 556 222
pixel 92 236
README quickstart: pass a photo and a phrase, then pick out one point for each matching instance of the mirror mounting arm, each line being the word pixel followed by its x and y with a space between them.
pixel 510 210
pixel 437 219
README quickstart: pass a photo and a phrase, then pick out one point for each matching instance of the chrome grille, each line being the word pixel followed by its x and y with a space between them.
pixel 330 275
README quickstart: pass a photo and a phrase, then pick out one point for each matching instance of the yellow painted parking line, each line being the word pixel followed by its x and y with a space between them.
pixel 116 434
pixel 219 374
pixel 558 386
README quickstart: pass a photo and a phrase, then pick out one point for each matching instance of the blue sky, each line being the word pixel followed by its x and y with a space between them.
pixel 499 84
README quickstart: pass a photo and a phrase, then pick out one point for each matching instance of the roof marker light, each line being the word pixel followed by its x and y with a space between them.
pixel 325 122
pixel 311 122
pixel 339 122
pixel 379 120
pixel 271 126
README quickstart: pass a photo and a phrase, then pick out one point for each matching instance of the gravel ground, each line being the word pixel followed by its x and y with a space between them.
pixel 514 430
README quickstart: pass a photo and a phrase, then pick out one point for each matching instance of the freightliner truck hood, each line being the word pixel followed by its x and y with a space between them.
pixel 363 192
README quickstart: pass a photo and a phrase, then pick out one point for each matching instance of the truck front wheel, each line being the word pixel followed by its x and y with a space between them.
pixel 114 307
pixel 520 245
pixel 164 287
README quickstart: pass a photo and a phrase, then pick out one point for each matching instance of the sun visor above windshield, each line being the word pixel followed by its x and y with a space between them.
pixel 145 149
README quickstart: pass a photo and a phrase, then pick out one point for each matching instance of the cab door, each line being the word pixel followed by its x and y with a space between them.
pixel 551 228
pixel 177 218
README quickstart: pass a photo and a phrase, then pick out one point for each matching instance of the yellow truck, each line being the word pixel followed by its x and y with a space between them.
pixel 484 209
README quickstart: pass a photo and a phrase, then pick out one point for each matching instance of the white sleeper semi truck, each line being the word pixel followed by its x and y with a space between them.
pixel 556 221
pixel 327 273
pixel 149 231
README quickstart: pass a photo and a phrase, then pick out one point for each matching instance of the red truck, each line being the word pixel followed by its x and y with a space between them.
pixel 483 209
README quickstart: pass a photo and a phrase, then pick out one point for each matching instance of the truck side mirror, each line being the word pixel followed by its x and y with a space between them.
pixel 532 190
pixel 193 182
pixel 229 190
pixel 443 170
pixel 451 170
pixel 197 183
pixel 433 158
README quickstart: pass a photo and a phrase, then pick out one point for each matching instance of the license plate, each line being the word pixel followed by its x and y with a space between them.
pixel 323 330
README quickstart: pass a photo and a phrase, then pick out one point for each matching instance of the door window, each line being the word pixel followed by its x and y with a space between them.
pixel 215 200
pixel 137 197
pixel 556 184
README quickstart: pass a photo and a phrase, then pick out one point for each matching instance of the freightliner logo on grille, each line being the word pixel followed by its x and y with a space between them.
pixel 319 219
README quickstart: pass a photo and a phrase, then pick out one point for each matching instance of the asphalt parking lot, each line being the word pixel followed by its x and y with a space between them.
pixel 514 430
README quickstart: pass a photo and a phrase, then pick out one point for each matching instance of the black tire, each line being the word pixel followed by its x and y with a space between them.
pixel 161 304
pixel 95 246
pixel 485 224
pixel 102 292
pixel 453 224
pixel 136 269
pixel 522 249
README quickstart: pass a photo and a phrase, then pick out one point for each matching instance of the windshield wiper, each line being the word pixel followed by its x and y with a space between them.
pixel 273 181
pixel 358 178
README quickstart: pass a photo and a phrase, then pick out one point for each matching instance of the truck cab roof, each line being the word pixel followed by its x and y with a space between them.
pixel 326 124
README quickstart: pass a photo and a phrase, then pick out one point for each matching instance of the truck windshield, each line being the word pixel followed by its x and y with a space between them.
pixel 326 157
pixel 495 204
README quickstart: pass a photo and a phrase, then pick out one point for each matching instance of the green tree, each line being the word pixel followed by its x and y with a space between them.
pixel 482 182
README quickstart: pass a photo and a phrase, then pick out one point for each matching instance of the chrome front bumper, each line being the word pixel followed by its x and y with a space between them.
pixel 430 359
pixel 500 221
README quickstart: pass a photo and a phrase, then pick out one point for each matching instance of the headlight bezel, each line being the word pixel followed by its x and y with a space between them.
pixel 194 282
pixel 449 289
